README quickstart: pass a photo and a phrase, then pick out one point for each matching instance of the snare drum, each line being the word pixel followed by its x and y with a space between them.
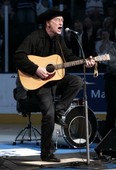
pixel 75 135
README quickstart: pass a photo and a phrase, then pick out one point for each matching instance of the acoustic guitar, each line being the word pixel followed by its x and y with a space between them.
pixel 54 65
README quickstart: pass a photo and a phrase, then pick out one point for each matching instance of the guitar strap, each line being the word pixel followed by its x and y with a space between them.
pixel 96 69
pixel 61 50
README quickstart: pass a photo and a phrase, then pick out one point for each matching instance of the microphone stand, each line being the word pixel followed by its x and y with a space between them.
pixel 85 100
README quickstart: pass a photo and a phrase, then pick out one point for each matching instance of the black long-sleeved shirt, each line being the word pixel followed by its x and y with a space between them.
pixel 40 44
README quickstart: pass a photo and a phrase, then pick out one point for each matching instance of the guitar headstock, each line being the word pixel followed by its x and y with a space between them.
pixel 104 57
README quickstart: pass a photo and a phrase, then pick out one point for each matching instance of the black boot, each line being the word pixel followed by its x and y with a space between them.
pixel 60 121
pixel 50 158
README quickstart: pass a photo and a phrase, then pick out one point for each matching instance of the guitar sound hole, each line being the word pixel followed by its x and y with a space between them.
pixel 50 68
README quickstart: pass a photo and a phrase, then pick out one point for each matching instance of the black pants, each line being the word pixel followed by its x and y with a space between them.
pixel 68 88
pixel 110 92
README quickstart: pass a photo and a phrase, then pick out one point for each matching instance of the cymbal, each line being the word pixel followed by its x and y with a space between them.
pixel 89 83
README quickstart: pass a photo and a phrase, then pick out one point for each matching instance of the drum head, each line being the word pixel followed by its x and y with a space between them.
pixel 75 134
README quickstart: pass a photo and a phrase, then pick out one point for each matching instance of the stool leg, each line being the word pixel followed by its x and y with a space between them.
pixel 28 129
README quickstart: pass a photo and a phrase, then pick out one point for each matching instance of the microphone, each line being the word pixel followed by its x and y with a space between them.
pixel 72 31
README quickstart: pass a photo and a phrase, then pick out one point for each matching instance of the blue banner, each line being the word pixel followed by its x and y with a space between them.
pixel 95 92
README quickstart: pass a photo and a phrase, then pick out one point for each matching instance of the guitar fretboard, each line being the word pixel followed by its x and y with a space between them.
pixel 81 61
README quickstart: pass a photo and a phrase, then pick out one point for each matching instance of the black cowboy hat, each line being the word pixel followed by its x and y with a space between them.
pixel 49 14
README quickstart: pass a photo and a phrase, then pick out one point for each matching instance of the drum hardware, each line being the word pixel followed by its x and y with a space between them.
pixel 58 134
pixel 77 102
pixel 75 135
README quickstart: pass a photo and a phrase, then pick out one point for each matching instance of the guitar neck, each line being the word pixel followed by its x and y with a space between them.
pixel 81 61
pixel 69 64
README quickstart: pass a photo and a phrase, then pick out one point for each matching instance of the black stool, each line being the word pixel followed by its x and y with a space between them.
pixel 26 107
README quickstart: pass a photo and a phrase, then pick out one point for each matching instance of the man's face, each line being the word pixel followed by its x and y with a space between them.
pixel 55 25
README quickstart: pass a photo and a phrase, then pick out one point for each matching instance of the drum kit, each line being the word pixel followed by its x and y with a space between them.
pixel 75 135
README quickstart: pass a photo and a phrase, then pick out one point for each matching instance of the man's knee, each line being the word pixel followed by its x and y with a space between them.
pixel 77 81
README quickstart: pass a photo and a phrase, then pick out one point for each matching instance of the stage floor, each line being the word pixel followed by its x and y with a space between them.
pixel 26 156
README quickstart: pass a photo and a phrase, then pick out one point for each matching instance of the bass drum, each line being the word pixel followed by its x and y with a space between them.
pixel 75 135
